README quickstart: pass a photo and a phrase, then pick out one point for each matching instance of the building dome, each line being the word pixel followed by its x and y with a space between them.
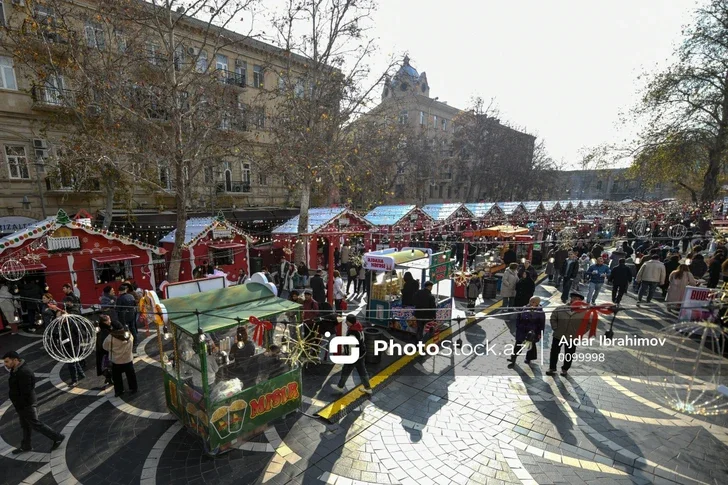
pixel 408 71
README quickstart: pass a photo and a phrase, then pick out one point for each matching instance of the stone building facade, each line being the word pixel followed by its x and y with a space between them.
pixel 27 148
pixel 608 184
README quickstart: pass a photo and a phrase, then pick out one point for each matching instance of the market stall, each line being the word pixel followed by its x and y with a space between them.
pixel 59 250
pixel 211 239
pixel 388 266
pixel 224 377
pixel 515 236
pixel 396 224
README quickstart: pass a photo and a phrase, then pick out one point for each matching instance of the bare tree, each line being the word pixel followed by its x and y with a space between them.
pixel 140 101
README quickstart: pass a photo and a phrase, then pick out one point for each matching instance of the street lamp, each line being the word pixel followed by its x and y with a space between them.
pixel 26 203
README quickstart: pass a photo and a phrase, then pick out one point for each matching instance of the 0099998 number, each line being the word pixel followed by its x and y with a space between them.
pixel 585 357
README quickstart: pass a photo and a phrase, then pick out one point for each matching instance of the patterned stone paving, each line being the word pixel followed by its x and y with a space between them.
pixel 454 420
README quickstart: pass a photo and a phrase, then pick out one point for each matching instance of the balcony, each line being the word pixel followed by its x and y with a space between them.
pixel 63 243
pixel 231 78
pixel 51 97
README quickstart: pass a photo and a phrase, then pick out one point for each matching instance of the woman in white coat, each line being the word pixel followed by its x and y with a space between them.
pixel 508 285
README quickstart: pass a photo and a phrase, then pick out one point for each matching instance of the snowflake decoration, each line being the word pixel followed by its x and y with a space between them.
pixel 302 349
pixel 12 270
pixel 461 279
pixel 33 258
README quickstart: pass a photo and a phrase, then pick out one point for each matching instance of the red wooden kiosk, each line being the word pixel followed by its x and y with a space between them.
pixel 211 239
pixel 58 250
pixel 396 224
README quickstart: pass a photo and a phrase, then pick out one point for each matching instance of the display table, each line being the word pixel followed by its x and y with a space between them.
pixel 221 383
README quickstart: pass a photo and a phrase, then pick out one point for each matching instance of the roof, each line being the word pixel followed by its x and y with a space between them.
pixel 49 225
pixel 509 208
pixel 565 204
pixel 531 205
pixel 199 226
pixel 549 204
pixel 481 209
pixel 219 308
pixel 389 215
pixel 317 218
pixel 441 212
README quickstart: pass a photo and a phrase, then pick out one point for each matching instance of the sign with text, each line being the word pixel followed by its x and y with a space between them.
pixel 694 306
pixel 440 272
pixel 11 224
pixel 377 262
pixel 222 233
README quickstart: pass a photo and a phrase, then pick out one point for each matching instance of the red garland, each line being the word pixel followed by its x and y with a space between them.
pixel 260 326
pixel 591 316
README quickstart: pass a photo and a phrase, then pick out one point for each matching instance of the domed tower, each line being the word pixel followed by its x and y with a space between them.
pixel 406 81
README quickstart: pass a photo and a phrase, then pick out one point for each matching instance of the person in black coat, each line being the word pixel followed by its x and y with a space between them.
pixel 126 311
pixel 21 385
pixel 620 278
pixel 409 289
pixel 714 269
pixel 104 331
pixel 318 288
pixel 509 257
pixel 525 288
pixel 698 267
pixel 672 264
pixel 425 308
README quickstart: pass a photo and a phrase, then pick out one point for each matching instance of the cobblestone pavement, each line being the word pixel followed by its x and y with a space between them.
pixel 442 420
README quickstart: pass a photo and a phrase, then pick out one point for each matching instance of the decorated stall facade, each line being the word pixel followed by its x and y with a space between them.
pixel 223 377
pixel 388 266
pixel 58 250
pixel 328 227
pixel 485 212
pixel 396 224
pixel 211 239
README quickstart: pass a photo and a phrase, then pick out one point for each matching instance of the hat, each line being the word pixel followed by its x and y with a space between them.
pixel 307 292
pixel 576 294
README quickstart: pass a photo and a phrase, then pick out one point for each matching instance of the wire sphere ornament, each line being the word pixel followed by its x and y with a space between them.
pixel 69 338
pixel 641 228
pixel 678 231
pixel 567 237
pixel 12 270
pixel 684 369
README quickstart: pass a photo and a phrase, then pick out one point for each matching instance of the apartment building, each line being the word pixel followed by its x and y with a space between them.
pixel 33 181
pixel 433 178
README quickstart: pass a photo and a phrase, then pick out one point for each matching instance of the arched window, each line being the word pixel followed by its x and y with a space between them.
pixel 228 180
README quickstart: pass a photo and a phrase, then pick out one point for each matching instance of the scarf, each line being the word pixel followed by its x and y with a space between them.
pixel 591 316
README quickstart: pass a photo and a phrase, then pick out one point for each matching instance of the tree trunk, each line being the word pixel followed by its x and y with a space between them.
pixel 109 207
pixel 175 262
pixel 303 220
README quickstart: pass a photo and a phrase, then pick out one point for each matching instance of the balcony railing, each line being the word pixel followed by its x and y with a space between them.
pixel 63 243
pixel 230 77
pixel 52 96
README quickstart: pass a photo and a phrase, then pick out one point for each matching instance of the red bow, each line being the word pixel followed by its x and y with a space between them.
pixel 591 316
pixel 260 326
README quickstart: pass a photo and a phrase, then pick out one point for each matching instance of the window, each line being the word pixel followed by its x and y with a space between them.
pixel 201 64
pixel 179 57
pixel 434 121
pixel 241 71
pixel 599 185
pixel 259 118
pixel 113 271
pixel 17 161
pixel 444 125
pixel 225 122
pixel 7 73
pixel 2 15
pixel 121 43
pixel 262 178
pixel 221 62
pixel 433 191
pixel 246 173
pixel 209 175
pixel 422 117
pixel 440 189
pixel 282 82
pixel 165 180
pixel 53 90
pixel 228 180
pixel 95 36
pixel 45 15
pixel 403 117
pixel 449 192
pixel 222 257
pixel 300 88
pixel 258 76
pixel 399 191
pixel 152 53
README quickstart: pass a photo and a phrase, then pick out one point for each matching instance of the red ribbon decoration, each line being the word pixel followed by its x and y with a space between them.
pixel 591 316
pixel 260 327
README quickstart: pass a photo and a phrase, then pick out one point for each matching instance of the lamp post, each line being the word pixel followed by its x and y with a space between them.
pixel 26 203
pixel 40 168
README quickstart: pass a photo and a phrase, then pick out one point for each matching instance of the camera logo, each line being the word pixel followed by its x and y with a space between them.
pixel 349 342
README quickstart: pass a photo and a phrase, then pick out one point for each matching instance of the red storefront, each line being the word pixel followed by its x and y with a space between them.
pixel 213 240
pixel 58 250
